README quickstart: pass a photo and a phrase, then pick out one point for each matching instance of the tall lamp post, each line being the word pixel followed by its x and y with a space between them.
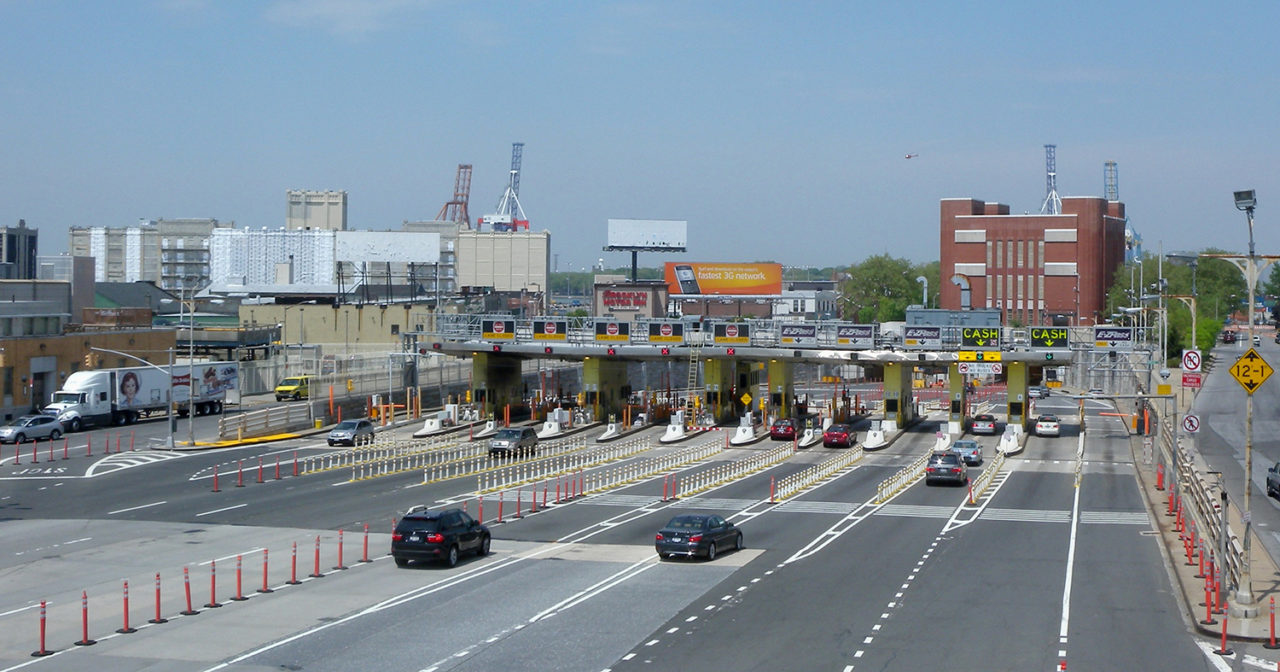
pixel 1246 201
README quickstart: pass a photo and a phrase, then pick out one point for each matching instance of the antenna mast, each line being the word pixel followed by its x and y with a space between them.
pixel 1052 202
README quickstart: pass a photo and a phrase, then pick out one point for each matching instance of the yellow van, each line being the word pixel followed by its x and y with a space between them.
pixel 293 387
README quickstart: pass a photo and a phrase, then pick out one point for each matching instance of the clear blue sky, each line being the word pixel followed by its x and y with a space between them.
pixel 777 129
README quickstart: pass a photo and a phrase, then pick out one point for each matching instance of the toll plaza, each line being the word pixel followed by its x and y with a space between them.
pixel 736 368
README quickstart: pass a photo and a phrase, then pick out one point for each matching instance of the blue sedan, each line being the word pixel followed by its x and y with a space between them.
pixel 968 450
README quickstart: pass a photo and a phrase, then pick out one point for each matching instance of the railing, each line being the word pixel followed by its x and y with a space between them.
pixel 980 484
pixel 264 422
pixel 506 477
pixel 794 483
pixel 905 477
pixel 723 473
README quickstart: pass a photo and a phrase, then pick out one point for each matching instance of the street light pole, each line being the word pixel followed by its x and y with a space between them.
pixel 1244 592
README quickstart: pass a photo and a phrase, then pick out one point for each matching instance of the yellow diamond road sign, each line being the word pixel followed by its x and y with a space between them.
pixel 1251 371
pixel 746 399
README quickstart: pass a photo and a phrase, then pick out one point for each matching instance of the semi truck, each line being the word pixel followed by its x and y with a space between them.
pixel 120 396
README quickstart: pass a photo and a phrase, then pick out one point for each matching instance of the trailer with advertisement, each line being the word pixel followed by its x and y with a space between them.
pixel 121 396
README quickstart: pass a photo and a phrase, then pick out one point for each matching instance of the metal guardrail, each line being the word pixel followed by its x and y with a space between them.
pixel 905 477
pixel 983 481
pixel 264 422
pixel 794 483
pixel 723 473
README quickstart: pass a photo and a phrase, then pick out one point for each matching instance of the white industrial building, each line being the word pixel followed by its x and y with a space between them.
pixel 326 210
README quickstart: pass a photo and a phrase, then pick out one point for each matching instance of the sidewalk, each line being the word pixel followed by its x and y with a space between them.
pixel 1265 570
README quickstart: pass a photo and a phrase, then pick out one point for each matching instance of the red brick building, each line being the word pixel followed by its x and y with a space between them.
pixel 1034 268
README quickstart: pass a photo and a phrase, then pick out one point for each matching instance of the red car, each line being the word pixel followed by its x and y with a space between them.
pixel 838 435
pixel 784 429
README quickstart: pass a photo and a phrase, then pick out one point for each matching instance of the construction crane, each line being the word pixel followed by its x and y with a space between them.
pixel 456 210
pixel 510 214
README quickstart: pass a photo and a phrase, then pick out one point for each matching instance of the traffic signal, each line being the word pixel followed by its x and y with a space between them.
pixel 1048 356
pixel 612 352
pixel 546 350
pixel 666 351
pixel 729 351
pixel 497 348
pixel 422 351
pixel 436 346
pixel 88 358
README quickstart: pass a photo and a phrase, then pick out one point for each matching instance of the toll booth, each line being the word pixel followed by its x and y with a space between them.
pixel 781 394
pixel 726 382
pixel 604 382
pixel 1017 376
pixel 899 401
pixel 496 381
pixel 958 399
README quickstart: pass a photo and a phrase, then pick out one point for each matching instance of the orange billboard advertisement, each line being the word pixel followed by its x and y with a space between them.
pixel 740 279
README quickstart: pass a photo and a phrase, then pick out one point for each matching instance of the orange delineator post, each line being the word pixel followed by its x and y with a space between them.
pixel 331 401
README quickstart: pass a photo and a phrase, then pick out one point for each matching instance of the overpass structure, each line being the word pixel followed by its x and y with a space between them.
pixel 753 360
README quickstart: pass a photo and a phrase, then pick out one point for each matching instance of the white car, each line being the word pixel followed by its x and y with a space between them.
pixel 1047 425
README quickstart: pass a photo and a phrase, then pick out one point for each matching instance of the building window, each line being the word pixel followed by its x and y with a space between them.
pixel 8 381
pixel 395 329
pixel 1042 254
pixel 1021 250
pixel 999 253
pixel 989 258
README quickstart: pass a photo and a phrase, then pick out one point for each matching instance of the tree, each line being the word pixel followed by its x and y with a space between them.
pixel 880 288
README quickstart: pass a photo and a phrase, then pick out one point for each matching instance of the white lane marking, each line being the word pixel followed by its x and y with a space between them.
pixel 1218 662
pixel 591 591
pixel 135 508
pixel 14 611
pixel 228 508
pixel 1071 555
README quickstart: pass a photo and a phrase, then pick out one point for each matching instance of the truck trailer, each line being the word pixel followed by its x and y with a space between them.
pixel 120 396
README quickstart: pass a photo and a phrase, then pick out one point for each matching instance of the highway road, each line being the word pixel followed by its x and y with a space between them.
pixel 1056 561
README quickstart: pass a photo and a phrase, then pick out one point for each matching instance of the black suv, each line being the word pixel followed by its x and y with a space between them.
pixel 945 467
pixel 437 535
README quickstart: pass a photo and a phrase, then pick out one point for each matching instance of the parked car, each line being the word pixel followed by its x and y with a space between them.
pixel 838 435
pixel 983 423
pixel 294 387
pixel 697 534
pixel 945 467
pixel 351 432
pixel 784 429
pixel 521 441
pixel 31 428
pixel 968 450
pixel 1273 480
pixel 438 535
pixel 1047 425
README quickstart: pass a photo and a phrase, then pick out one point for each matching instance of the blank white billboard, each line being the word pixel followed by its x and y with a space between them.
pixel 648 233
pixel 393 246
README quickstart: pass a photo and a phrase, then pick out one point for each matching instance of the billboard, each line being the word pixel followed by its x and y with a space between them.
pixel 648 234
pixel 740 279
pixel 381 246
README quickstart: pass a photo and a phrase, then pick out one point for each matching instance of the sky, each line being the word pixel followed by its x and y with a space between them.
pixel 778 130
